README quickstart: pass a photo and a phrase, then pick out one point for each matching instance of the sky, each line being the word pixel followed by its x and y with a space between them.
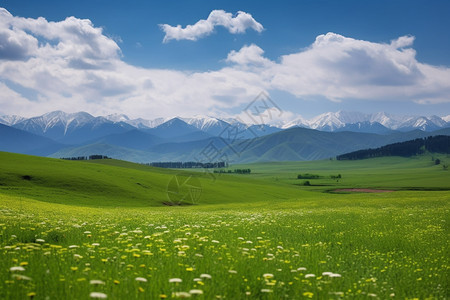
pixel 154 59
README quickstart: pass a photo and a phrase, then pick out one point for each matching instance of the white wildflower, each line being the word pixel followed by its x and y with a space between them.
pixel 181 295
pixel 141 279
pixel 98 295
pixel 196 292
pixel 21 277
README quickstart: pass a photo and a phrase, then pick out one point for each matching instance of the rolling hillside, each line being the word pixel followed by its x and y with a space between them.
pixel 118 184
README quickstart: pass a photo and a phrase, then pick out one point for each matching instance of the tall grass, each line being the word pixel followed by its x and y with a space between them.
pixel 375 248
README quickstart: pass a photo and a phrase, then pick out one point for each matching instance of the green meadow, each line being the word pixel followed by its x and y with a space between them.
pixel 107 229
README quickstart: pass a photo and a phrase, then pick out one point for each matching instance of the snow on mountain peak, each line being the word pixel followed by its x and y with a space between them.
pixel 117 118
pixel 11 120
pixel 329 121
pixel 297 122
pixel 201 122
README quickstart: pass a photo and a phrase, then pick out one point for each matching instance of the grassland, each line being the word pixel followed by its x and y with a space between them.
pixel 73 229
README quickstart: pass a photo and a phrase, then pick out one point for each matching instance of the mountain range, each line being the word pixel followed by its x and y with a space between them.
pixel 60 134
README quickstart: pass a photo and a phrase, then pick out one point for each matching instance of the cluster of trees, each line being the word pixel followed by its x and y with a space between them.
pixel 435 144
pixel 90 157
pixel 315 176
pixel 308 176
pixel 237 171
pixel 189 165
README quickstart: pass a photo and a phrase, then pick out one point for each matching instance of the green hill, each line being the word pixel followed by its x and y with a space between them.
pixel 123 184
pixel 118 183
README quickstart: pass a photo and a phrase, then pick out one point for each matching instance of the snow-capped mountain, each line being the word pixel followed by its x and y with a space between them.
pixel 76 127
pixel 54 121
pixel 209 125
pixel 422 123
pixel 388 120
pixel 366 126
pixel 71 128
pixel 139 123
pixel 142 123
pixel 297 122
pixel 355 121
pixel 117 118
pixel 11 120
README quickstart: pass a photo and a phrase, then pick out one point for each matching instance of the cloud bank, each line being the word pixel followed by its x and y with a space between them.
pixel 238 24
pixel 71 65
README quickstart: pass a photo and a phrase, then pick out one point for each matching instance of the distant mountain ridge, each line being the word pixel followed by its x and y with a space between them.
pixel 287 145
pixel 333 121
pixel 183 139
pixel 71 128
pixel 380 122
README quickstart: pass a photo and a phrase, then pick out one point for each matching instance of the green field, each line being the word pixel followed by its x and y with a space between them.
pixel 71 229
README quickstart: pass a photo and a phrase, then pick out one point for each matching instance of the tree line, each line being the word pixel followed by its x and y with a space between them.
pixel 434 144
pixel 237 171
pixel 90 157
pixel 188 165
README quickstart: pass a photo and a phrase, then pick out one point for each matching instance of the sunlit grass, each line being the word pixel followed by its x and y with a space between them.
pixel 381 251
pixel 79 230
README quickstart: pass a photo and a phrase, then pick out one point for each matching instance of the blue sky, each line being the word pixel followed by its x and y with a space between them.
pixel 290 29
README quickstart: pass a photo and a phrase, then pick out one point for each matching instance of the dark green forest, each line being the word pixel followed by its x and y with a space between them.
pixel 433 144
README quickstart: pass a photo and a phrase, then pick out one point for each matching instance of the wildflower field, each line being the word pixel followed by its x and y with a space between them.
pixel 290 243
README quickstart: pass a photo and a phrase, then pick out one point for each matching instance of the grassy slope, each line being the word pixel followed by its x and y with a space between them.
pixel 381 244
pixel 117 183
pixel 120 183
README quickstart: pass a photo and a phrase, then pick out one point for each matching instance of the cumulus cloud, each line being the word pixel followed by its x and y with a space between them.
pixel 249 56
pixel 14 44
pixel 71 65
pixel 238 24
pixel 339 67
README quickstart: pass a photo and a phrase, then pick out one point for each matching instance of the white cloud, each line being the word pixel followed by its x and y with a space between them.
pixel 71 65
pixel 249 56
pixel 339 67
pixel 238 24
